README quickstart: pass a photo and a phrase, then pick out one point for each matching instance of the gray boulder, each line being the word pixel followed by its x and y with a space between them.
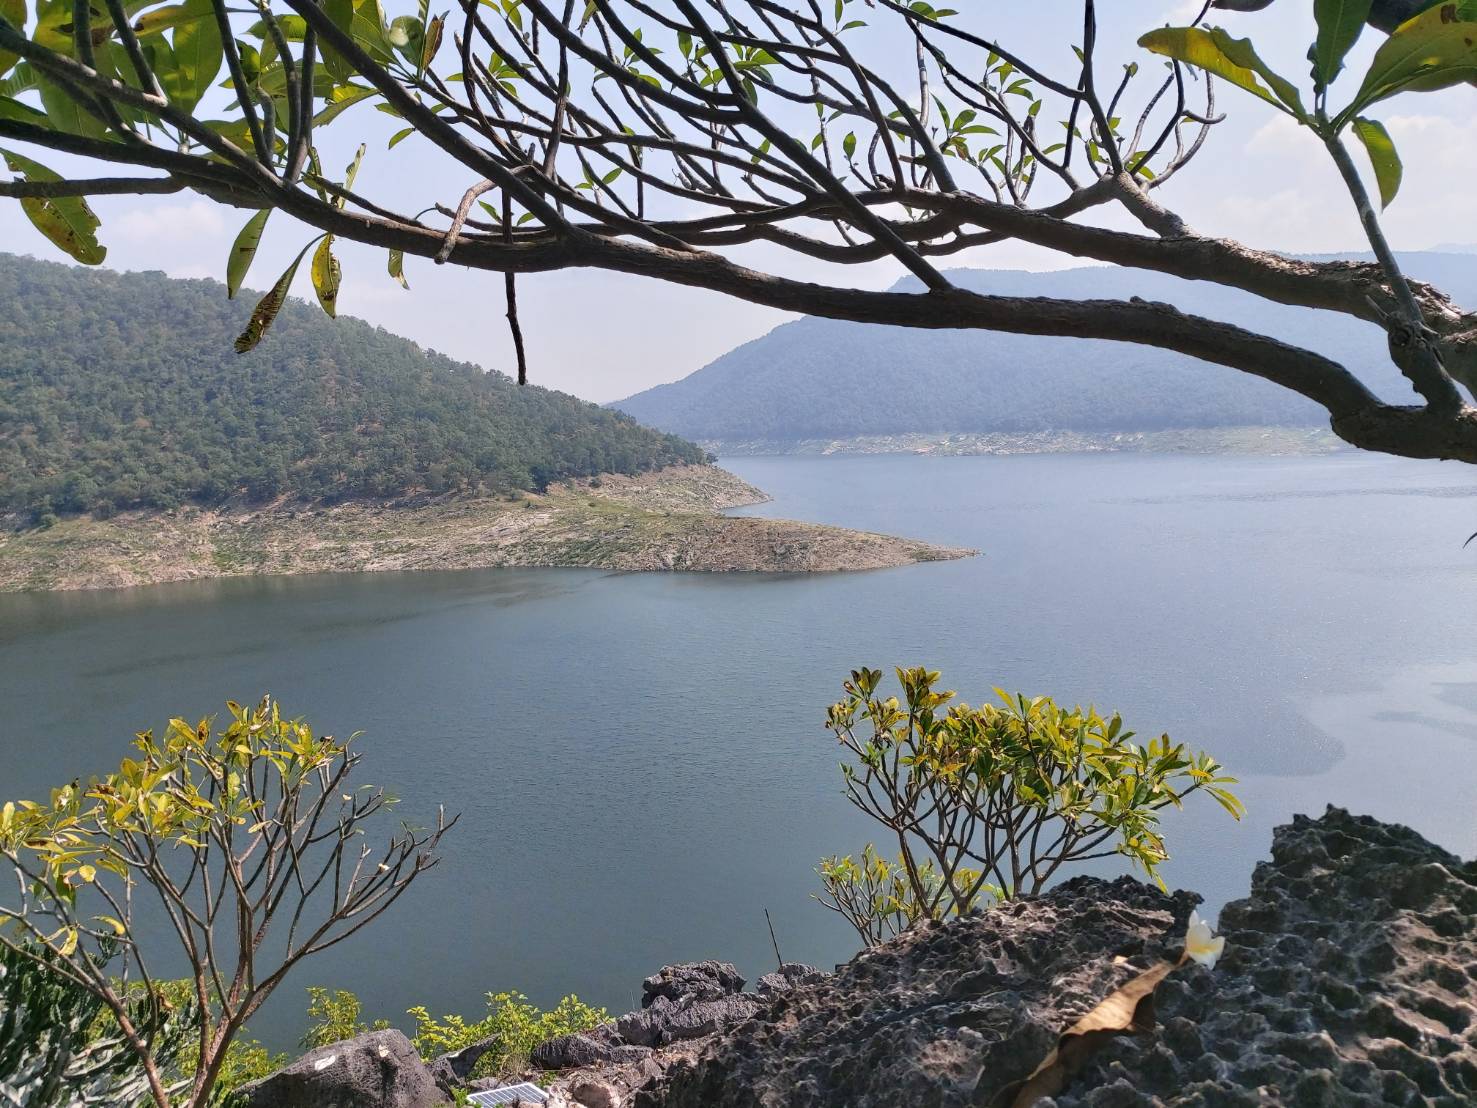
pixel 692 981
pixel 671 1021
pixel 452 1070
pixel 602 1046
pixel 790 975
pixel 377 1070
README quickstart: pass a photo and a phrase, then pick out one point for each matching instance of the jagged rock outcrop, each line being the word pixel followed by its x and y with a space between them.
pixel 940 1016
pixel 376 1070
pixel 1349 978
pixel 681 1007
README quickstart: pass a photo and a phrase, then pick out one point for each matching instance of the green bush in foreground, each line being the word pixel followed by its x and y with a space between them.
pixel 993 801
pixel 519 1025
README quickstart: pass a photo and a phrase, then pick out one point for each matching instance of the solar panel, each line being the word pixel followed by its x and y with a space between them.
pixel 511 1094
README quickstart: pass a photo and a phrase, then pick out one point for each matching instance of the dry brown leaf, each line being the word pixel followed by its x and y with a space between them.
pixel 1128 1010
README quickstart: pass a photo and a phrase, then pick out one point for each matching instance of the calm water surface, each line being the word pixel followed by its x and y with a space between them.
pixel 639 759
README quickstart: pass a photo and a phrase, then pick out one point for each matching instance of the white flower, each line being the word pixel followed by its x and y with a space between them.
pixel 1201 943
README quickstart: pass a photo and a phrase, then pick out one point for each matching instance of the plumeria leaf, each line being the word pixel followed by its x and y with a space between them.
pixel 1382 156
pixel 268 308
pixel 243 251
pixel 66 220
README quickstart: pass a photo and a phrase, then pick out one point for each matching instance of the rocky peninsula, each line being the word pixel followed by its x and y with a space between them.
pixel 1349 978
pixel 669 519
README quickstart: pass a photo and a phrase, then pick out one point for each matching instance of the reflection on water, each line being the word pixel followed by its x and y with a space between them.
pixel 639 759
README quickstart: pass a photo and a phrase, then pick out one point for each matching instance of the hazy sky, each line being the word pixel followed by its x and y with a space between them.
pixel 603 336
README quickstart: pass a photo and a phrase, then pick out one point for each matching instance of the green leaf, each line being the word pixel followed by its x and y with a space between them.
pixel 342 14
pixel 397 267
pixel 22 80
pixel 65 114
pixel 14 13
pixel 21 113
pixel 1232 60
pixel 243 251
pixel 1340 23
pixel 369 30
pixel 1435 50
pixel 1382 155
pixel 268 307
pixel 199 54
pixel 340 100
pixel 327 274
pixel 351 172
pixel 66 220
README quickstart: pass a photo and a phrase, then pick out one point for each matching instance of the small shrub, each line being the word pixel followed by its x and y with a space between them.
pixel 518 1025
pixel 334 1017
pixel 876 897
pixel 994 800
pixel 45 521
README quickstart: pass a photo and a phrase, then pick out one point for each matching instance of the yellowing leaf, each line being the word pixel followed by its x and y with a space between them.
pixel 115 924
pixel 66 220
pixel 1128 1010
pixel 268 307
pixel 1234 60
pixel 397 267
pixel 1434 50
pixel 433 41
pixel 326 276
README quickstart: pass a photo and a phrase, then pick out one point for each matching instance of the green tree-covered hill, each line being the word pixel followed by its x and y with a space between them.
pixel 122 391
pixel 826 379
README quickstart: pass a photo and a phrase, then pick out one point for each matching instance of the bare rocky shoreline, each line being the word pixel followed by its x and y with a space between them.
pixel 667 520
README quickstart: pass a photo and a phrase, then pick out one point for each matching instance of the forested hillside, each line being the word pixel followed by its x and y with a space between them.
pixel 823 379
pixel 123 391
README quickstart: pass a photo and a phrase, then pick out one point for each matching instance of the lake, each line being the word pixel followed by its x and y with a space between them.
pixel 640 760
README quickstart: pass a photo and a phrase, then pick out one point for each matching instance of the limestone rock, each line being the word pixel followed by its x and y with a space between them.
pixel 692 981
pixel 790 975
pixel 919 1021
pixel 1349 979
pixel 377 1070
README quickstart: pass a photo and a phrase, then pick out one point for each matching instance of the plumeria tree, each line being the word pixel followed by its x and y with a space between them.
pixel 666 137
pixel 249 841
pixel 991 802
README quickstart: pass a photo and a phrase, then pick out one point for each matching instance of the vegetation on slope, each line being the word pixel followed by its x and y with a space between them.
pixel 121 391
pixel 826 379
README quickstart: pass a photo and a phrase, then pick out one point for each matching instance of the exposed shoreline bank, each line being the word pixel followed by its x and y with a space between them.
pixel 662 521
pixel 1269 441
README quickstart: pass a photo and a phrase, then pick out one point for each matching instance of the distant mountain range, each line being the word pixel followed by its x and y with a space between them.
pixel 824 379
pixel 122 391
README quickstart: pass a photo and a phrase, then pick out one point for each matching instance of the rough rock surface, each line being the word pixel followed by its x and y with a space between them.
pixel 377 1070
pixel 941 1015
pixel 1349 978
pixel 681 1006
pixel 789 976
